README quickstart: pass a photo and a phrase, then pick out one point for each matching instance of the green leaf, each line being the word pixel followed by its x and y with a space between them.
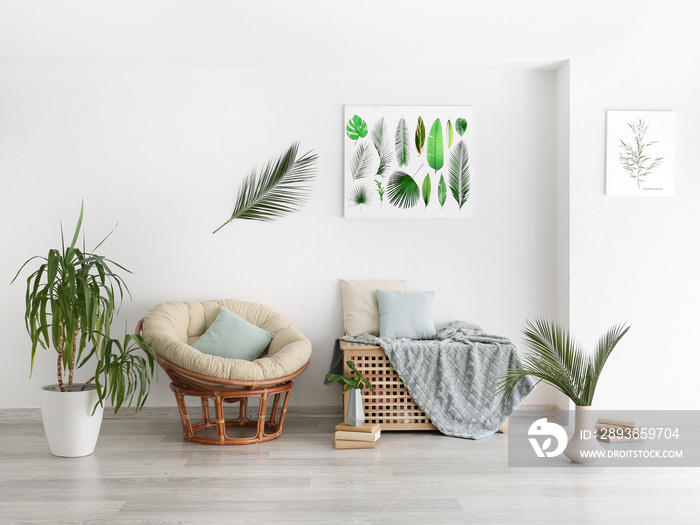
pixel 361 162
pixel 458 170
pixel 442 191
pixel 427 188
pixel 434 149
pixel 356 128
pixel 420 135
pixel 380 139
pixel 449 133
pixel 360 196
pixel 283 187
pixel 402 190
pixel 380 190
pixel 77 227
pixel 461 126
pixel 403 151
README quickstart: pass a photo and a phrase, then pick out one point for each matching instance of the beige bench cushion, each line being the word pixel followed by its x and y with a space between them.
pixel 170 328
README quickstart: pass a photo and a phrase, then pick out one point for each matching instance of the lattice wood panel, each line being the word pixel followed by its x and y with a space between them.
pixel 390 404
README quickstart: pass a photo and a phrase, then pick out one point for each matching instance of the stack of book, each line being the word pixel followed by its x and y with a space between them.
pixel 347 436
pixel 618 431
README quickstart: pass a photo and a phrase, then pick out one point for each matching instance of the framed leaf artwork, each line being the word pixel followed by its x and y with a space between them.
pixel 640 153
pixel 408 161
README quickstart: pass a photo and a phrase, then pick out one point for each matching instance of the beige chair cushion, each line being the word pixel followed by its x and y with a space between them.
pixel 170 328
pixel 360 310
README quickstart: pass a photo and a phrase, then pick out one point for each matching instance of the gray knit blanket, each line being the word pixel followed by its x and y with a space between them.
pixel 453 378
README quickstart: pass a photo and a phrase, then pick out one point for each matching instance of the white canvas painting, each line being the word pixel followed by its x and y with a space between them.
pixel 640 157
pixel 408 161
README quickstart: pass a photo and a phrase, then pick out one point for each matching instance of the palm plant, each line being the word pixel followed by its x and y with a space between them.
pixel 71 300
pixel 282 188
pixel 556 358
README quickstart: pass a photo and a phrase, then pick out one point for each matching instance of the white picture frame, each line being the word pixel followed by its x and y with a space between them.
pixel 640 153
pixel 386 175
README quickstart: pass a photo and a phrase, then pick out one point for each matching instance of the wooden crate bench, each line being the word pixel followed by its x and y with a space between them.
pixel 390 404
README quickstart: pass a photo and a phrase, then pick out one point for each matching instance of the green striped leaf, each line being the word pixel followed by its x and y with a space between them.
pixel 442 191
pixel 420 135
pixel 434 150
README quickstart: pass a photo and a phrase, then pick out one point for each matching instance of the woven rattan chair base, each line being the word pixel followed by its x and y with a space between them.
pixel 272 395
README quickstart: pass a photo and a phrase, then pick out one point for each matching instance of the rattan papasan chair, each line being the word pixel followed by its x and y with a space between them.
pixel 171 328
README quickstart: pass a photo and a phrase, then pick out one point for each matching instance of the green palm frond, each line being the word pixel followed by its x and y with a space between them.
pixel 403 190
pixel 360 196
pixel 458 170
pixel 380 140
pixel 403 151
pixel 556 358
pixel 283 187
pixel 361 162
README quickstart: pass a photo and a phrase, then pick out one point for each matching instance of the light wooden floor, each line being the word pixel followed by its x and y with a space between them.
pixel 143 472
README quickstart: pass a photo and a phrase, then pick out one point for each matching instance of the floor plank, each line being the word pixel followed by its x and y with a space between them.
pixel 144 473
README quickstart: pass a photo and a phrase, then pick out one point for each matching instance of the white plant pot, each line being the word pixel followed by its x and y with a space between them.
pixel 70 426
pixel 583 438
pixel 356 413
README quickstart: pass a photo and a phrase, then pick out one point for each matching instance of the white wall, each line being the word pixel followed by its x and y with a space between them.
pixel 163 152
pixel 153 111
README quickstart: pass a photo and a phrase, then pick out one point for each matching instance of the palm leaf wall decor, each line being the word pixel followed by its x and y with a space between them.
pixel 356 128
pixel 380 140
pixel 427 189
pixel 361 162
pixel 420 135
pixel 403 190
pixel 442 191
pixel 434 150
pixel 403 151
pixel 458 170
pixel 360 196
pixel 282 187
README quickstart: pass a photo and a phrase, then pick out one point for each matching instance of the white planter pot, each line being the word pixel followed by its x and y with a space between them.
pixel 356 412
pixel 70 426
pixel 583 438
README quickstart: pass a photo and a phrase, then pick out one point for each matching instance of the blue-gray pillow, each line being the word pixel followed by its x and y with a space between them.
pixel 406 314
pixel 233 337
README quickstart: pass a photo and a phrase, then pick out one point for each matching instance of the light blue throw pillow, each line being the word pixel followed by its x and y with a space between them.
pixel 406 314
pixel 233 337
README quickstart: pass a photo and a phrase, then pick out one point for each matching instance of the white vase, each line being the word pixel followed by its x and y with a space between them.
pixel 583 445
pixel 70 426
pixel 356 413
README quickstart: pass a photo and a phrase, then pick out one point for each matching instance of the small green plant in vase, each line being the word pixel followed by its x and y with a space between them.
pixel 356 414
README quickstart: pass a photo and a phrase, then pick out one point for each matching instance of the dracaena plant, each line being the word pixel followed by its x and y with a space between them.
pixel 71 301
pixel 359 381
